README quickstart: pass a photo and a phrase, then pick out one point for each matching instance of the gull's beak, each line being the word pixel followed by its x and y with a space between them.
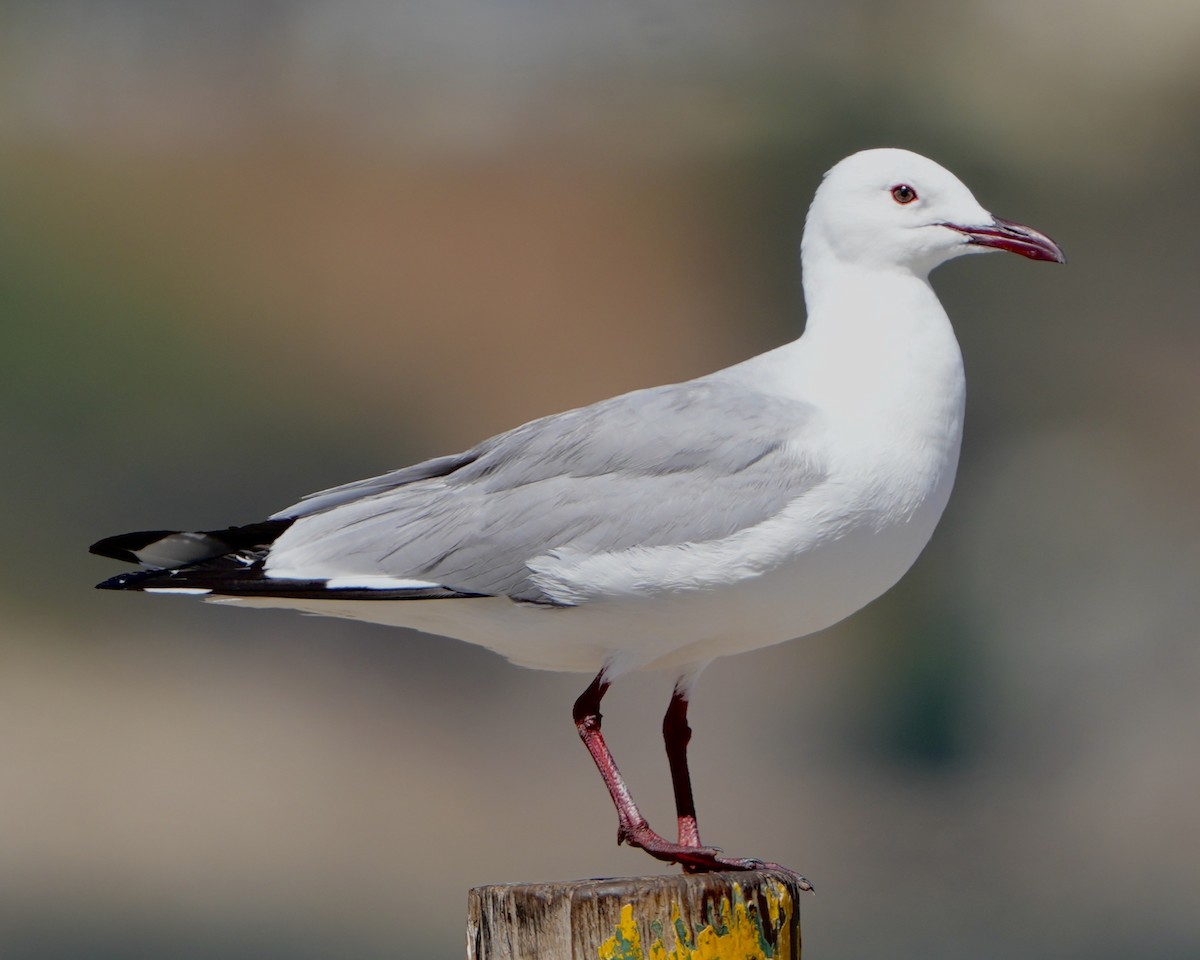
pixel 1013 237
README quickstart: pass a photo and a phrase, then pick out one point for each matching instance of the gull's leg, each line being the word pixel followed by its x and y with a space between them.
pixel 587 721
pixel 676 735
pixel 632 827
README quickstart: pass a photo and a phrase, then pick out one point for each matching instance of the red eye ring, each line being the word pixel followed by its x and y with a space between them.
pixel 902 193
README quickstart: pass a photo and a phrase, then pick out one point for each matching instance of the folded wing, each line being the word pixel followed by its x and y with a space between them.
pixel 682 464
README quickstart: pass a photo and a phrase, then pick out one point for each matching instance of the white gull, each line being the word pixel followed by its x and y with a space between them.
pixel 668 526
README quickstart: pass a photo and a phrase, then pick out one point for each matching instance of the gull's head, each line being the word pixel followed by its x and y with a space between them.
pixel 896 210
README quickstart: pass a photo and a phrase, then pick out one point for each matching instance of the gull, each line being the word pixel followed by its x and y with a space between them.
pixel 669 526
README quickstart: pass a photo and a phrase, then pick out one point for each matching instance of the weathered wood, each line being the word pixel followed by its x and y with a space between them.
pixel 753 915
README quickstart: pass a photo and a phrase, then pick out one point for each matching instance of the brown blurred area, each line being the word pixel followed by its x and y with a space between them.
pixel 251 250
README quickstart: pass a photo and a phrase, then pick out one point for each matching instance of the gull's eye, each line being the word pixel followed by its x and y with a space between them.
pixel 903 193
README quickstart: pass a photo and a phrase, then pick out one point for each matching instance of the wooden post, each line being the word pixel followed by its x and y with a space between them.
pixel 753 915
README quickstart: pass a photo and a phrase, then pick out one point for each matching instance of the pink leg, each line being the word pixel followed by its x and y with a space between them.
pixel 632 827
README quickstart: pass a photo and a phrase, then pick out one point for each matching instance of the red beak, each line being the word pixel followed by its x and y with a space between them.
pixel 1013 237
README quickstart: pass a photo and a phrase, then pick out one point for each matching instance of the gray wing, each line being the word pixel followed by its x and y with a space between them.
pixel 686 463
pixel 359 489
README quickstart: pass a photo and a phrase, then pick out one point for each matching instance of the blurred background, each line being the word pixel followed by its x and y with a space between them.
pixel 249 250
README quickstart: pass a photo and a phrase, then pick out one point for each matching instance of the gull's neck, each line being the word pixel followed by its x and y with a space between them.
pixel 877 348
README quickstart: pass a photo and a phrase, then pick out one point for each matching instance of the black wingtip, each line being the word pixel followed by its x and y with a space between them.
pixel 170 549
pixel 123 581
pixel 124 545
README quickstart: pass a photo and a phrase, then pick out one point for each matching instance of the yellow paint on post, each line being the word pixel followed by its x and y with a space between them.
pixel 738 935
pixel 626 942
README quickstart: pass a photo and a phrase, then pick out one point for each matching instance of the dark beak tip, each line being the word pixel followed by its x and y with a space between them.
pixel 1052 255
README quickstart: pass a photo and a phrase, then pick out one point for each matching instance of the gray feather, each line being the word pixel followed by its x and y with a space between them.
pixel 346 492
pixel 679 464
